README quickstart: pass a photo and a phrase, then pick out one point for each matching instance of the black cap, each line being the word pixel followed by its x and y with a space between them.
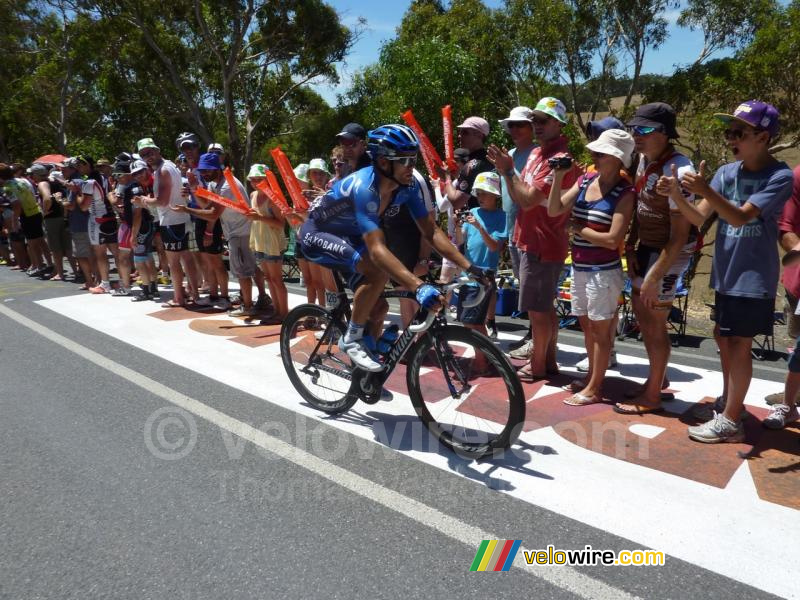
pixel 353 131
pixel 656 114
pixel 122 166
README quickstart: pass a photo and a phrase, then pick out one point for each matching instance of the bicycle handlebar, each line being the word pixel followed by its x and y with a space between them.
pixel 446 289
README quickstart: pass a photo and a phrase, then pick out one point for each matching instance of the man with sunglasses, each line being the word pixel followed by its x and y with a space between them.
pixel 519 127
pixel 167 188
pixel 541 239
pixel 748 195
pixel 658 248
pixel 343 232
pixel 352 138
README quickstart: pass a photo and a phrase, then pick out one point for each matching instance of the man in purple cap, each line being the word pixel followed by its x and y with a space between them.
pixel 748 195
pixel 353 140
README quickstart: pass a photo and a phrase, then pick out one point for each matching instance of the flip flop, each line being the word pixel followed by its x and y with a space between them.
pixel 638 409
pixel 172 304
pixel 634 393
pixel 526 376
pixel 580 400
pixel 576 385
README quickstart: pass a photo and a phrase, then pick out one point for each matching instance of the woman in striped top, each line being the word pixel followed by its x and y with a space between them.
pixel 602 204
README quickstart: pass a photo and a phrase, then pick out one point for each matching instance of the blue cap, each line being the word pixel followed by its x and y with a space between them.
pixel 595 128
pixel 209 161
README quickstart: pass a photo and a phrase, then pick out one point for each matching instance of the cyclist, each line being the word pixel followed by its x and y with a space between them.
pixel 343 232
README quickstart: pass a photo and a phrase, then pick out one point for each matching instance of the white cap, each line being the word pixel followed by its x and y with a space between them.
pixel 216 148
pixel 517 114
pixel 138 165
pixel 615 142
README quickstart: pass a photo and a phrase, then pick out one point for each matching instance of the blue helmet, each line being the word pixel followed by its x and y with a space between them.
pixel 391 140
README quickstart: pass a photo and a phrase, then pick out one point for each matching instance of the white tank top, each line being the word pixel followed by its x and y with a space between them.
pixel 167 216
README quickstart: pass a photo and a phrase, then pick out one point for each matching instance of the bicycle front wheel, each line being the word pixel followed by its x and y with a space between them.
pixel 319 370
pixel 465 391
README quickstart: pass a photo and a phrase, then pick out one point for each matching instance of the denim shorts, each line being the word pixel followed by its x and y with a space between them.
pixel 261 257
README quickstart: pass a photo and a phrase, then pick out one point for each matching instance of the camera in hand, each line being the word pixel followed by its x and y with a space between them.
pixel 461 215
pixel 560 162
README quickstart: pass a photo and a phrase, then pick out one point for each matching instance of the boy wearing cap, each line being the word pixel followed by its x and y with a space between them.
pixel 748 195
pixel 483 234
pixel 542 239
pixel 659 246
pixel 143 229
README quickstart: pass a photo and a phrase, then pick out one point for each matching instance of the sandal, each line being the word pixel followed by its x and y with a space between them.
pixel 576 385
pixel 525 375
pixel 580 400
pixel 172 304
pixel 637 409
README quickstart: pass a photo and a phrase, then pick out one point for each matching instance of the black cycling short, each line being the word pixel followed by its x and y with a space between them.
pixel 403 237
pixel 175 237
pixel 33 226
pixel 208 240
pixel 738 316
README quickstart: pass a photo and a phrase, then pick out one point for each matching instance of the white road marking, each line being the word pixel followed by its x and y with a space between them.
pixel 566 578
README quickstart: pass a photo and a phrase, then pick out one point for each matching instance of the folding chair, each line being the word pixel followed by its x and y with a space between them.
pixel 627 326
pixel 564 297
pixel 291 270
pixel 766 343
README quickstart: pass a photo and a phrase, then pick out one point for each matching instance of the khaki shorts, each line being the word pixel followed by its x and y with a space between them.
pixel 537 282
pixel 596 293
pixel 242 261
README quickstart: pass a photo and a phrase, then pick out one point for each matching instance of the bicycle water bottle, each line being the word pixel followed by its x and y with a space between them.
pixel 388 338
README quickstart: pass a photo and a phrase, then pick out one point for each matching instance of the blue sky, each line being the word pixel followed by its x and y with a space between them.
pixel 682 47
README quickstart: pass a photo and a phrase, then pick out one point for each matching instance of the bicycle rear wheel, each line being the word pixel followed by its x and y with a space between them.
pixel 317 368
pixel 465 391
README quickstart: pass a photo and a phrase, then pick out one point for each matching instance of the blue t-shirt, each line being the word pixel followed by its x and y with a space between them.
pixel 475 249
pixel 78 219
pixel 350 208
pixel 509 206
pixel 746 258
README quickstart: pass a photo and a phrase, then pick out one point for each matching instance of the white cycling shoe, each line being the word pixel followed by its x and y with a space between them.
pixel 360 355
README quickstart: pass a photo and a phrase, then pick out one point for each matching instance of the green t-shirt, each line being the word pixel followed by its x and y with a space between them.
pixel 21 190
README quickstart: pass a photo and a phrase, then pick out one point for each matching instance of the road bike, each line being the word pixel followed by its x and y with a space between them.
pixel 461 385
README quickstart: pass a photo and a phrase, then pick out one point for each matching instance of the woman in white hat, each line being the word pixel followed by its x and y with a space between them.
pixel 602 205
pixel 268 242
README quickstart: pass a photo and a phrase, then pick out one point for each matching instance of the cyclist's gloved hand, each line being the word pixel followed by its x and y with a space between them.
pixel 427 295
pixel 481 275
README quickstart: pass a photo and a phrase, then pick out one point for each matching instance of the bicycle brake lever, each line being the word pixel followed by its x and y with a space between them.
pixel 425 325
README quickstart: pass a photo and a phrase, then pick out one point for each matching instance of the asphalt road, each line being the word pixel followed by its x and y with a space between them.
pixel 92 507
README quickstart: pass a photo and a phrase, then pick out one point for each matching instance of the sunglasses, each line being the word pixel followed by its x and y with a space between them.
pixel 541 120
pixel 147 153
pixel 406 161
pixel 735 134
pixel 347 142
pixel 518 124
pixel 643 130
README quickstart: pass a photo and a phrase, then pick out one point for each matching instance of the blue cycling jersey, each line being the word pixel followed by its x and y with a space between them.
pixel 350 208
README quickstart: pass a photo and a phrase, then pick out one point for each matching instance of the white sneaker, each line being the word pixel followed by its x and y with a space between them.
pixel 719 429
pixel 523 352
pixel 779 415
pixel 222 303
pixel 360 355
pixel 583 366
